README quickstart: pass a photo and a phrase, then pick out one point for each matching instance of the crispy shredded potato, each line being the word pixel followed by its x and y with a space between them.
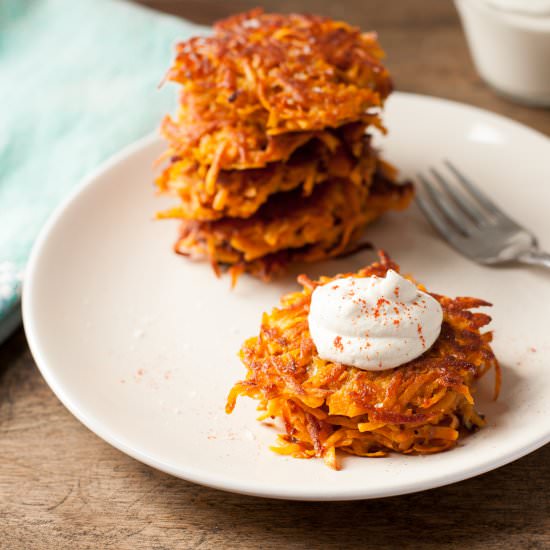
pixel 262 84
pixel 345 153
pixel 325 224
pixel 270 153
pixel 421 407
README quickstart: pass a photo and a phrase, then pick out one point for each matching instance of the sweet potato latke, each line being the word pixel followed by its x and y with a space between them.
pixel 270 153
pixel 343 153
pixel 320 226
pixel 260 75
pixel 420 407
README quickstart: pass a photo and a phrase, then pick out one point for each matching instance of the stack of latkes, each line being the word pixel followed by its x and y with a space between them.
pixel 269 153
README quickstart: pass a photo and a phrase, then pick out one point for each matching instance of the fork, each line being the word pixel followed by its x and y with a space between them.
pixel 473 224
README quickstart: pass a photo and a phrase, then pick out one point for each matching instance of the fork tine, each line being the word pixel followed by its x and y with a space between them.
pixel 446 206
pixel 434 216
pixel 476 214
pixel 475 192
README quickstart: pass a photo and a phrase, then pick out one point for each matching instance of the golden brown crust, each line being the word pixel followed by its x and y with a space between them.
pixel 239 193
pixel 262 75
pixel 268 151
pixel 323 225
pixel 420 407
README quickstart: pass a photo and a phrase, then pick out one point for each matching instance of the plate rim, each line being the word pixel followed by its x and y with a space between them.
pixel 218 481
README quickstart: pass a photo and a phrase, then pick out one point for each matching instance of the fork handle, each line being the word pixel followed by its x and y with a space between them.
pixel 535 257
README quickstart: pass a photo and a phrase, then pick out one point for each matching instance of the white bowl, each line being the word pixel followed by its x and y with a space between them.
pixel 510 45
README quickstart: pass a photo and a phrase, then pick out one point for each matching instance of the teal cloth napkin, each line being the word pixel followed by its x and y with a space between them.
pixel 78 81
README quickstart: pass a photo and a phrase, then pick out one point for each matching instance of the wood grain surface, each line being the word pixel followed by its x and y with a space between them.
pixel 63 487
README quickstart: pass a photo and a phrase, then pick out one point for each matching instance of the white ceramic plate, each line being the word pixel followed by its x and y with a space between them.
pixel 140 344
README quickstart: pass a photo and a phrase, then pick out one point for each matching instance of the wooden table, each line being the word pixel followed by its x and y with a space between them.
pixel 63 487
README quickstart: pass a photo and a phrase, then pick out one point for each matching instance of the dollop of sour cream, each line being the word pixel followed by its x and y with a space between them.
pixel 373 323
